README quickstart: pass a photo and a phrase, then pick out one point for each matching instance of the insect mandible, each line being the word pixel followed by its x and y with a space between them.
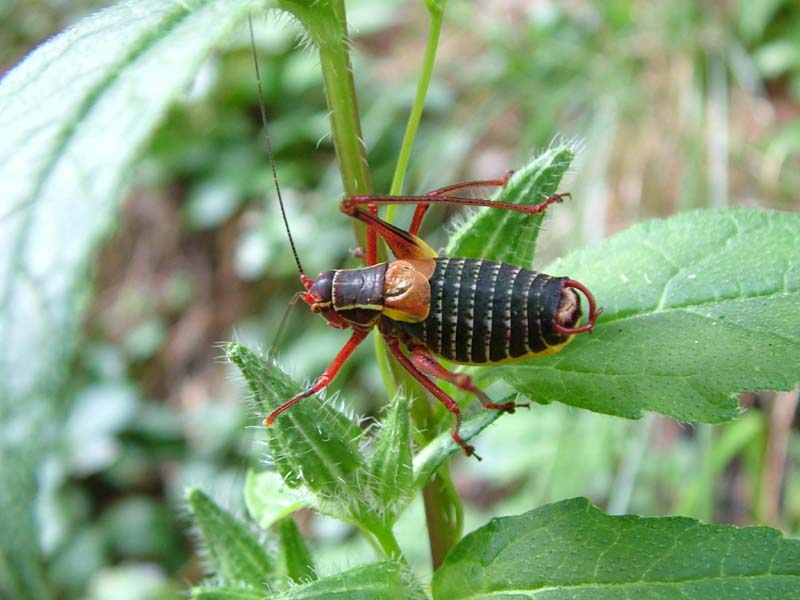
pixel 468 311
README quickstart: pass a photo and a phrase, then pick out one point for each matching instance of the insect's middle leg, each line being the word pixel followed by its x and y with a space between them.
pixel 425 362
pixel 439 393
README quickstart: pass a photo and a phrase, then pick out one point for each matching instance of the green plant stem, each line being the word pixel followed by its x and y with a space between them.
pixel 434 31
pixel 327 26
pixel 326 23
pixel 345 124
pixel 428 61
pixel 443 509
pixel 443 514
pixel 377 532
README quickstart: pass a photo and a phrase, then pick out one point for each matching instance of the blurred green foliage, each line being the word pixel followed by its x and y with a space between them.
pixel 679 104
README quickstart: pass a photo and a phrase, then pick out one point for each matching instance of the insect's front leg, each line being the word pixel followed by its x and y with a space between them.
pixel 324 379
pixel 425 362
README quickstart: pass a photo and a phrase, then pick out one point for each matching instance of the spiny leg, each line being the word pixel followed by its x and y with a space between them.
pixel 421 209
pixel 377 226
pixel 405 244
pixel 402 243
pixel 425 362
pixel 323 380
pixel 351 204
pixel 434 389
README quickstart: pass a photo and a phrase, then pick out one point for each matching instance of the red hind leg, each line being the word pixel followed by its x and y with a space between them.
pixel 425 362
pixel 372 239
pixel 371 254
pixel 421 209
pixel 404 243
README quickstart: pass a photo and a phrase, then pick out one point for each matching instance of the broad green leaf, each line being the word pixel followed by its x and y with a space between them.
pixel 74 116
pixel 377 581
pixel 432 456
pixel 269 499
pixel 698 307
pixel 207 592
pixel 235 554
pixel 391 469
pixel 573 550
pixel 505 235
pixel 311 444
pixel 293 551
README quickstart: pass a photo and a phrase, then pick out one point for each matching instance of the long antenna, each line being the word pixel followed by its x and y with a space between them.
pixel 269 149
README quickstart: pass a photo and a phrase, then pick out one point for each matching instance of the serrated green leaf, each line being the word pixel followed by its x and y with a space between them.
pixel 74 116
pixel 431 457
pixel 697 307
pixel 391 470
pixel 377 581
pixel 207 592
pixel 235 554
pixel 573 550
pixel 269 499
pixel 505 235
pixel 293 551
pixel 311 444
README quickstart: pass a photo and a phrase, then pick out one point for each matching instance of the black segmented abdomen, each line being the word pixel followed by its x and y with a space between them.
pixel 484 311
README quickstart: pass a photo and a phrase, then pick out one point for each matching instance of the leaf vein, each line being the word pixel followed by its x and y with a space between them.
pixel 171 20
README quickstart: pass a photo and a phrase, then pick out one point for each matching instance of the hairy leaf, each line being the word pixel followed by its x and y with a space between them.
pixel 573 550
pixel 377 581
pixel 293 551
pixel 391 472
pixel 74 115
pixel 505 235
pixel 312 444
pixel 269 499
pixel 235 554
pixel 697 307
pixel 432 456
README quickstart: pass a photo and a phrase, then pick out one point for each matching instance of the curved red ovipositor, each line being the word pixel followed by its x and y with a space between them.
pixel 594 312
